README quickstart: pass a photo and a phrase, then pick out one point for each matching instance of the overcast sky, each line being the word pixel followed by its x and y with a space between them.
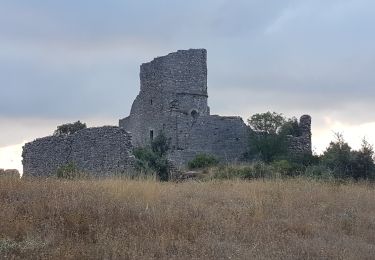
pixel 62 61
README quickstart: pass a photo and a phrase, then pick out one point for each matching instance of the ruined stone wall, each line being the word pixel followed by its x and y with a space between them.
pixel 173 100
pixel 299 145
pixel 172 85
pixel 98 151
pixel 226 138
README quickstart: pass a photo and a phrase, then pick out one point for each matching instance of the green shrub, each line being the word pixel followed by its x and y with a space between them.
pixel 319 172
pixel 225 173
pixel 266 146
pixel 7 245
pixel 284 167
pixel 268 140
pixel 70 128
pixel 289 168
pixel 69 171
pixel 152 159
pixel 256 170
pixel 202 161
pixel 149 163
pixel 346 163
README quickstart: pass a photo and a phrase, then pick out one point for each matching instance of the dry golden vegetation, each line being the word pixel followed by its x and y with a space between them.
pixel 144 219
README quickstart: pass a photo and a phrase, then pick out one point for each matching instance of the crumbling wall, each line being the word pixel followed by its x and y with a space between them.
pixel 172 85
pixel 44 156
pixel 226 138
pixel 173 100
pixel 98 151
pixel 300 145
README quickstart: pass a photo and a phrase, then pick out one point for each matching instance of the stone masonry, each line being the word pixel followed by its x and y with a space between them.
pixel 298 145
pixel 98 151
pixel 173 100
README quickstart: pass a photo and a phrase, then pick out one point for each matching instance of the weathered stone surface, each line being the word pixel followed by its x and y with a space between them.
pixel 98 151
pixel 299 145
pixel 173 99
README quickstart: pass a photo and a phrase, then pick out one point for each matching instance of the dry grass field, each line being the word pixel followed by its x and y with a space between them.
pixel 144 219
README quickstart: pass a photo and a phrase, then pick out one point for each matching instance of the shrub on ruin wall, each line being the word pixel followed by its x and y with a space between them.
pixel 69 171
pixel 70 128
pixel 202 161
pixel 152 159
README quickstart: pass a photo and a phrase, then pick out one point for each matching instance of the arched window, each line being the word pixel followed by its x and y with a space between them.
pixel 194 113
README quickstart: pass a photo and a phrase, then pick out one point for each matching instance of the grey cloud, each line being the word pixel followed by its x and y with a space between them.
pixel 81 58
pixel 26 129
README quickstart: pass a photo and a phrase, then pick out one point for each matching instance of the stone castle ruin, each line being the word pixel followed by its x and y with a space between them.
pixel 172 100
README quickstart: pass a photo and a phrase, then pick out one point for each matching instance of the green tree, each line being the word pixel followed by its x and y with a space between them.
pixel 70 128
pixel 269 122
pixel 337 157
pixel 362 163
pixel 160 145
pixel 268 140
pixel 290 127
pixel 346 163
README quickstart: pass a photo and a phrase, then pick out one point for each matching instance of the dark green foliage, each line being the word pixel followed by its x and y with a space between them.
pixel 149 162
pixel 286 168
pixel 202 161
pixel 290 127
pixel 160 145
pixel 345 163
pixel 267 147
pixel 68 129
pixel 268 122
pixel 153 159
pixel 303 159
pixel 337 157
pixel 255 170
pixel 69 171
pixel 362 164
pixel 268 141
pixel 319 172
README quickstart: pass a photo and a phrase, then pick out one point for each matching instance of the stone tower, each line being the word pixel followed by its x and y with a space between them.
pixel 173 99
pixel 301 145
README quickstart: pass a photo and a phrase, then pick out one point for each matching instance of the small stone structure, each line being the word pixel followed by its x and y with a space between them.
pixel 98 151
pixel 299 145
pixel 173 100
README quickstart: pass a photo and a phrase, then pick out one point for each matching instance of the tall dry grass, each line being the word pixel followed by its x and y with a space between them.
pixel 127 219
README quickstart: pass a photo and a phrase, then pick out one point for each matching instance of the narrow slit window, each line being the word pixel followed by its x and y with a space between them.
pixel 151 135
